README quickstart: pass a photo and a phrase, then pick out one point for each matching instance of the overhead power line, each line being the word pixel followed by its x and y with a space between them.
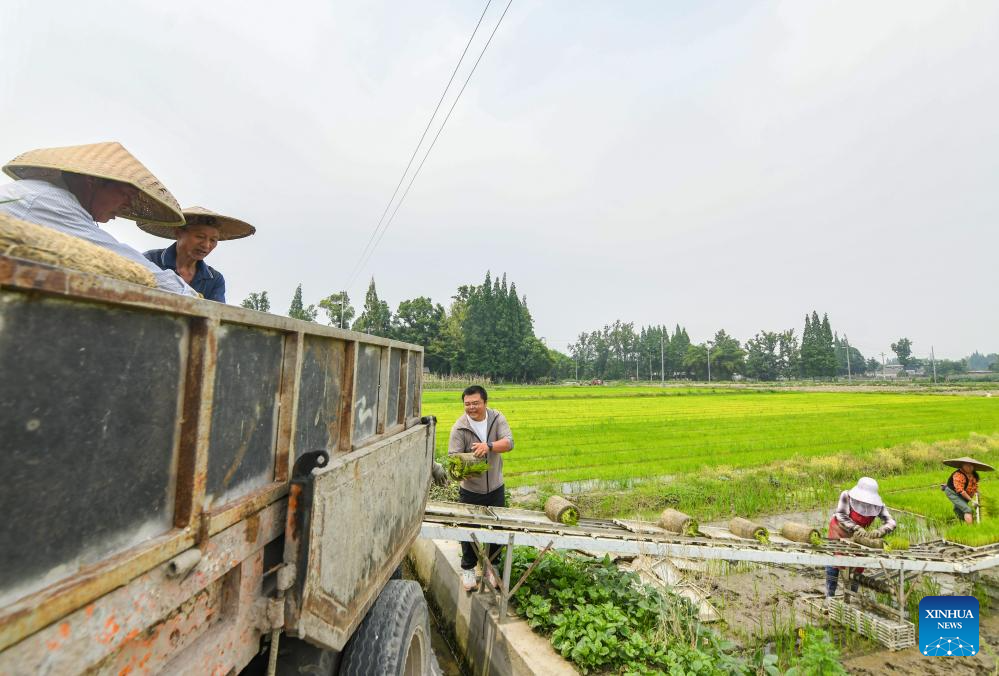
pixel 383 225
pixel 356 269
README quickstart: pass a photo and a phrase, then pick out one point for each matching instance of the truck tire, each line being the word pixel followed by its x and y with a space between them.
pixel 394 637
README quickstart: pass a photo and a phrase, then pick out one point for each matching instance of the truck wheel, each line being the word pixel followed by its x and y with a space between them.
pixel 394 637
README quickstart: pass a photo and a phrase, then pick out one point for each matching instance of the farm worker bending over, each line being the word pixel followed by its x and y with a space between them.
pixel 962 486
pixel 485 433
pixel 857 509
pixel 73 189
pixel 198 237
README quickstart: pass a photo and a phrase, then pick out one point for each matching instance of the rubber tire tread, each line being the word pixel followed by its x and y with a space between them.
pixel 379 645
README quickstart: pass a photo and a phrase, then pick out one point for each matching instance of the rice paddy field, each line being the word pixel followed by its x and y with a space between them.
pixel 721 452
pixel 569 434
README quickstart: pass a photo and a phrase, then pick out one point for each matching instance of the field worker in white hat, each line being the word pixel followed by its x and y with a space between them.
pixel 856 510
pixel 198 237
pixel 72 189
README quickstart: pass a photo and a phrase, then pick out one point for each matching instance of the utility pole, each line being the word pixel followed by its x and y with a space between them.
pixel 849 376
pixel 933 360
pixel 650 367
pixel 343 302
pixel 662 361
pixel 708 344
pixel 883 365
pixel 637 378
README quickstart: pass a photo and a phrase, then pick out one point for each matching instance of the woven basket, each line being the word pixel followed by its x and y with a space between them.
pixel 22 239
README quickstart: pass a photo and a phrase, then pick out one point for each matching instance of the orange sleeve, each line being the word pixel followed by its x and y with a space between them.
pixel 960 482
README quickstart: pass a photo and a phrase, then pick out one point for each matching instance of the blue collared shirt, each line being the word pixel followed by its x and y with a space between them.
pixel 207 281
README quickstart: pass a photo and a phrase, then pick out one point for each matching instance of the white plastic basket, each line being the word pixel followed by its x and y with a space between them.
pixel 891 633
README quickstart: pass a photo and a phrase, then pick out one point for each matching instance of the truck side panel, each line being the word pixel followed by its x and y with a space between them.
pixel 88 422
pixel 137 426
pixel 365 505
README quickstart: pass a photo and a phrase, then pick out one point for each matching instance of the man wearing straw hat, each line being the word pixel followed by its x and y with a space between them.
pixel 72 189
pixel 198 237
pixel 856 510
pixel 962 486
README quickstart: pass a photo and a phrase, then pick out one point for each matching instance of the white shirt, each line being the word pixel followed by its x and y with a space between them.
pixel 51 204
pixel 480 427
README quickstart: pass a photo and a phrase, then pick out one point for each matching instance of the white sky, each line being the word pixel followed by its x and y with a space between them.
pixel 722 165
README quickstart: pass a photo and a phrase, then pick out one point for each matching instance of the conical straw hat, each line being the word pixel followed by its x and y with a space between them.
pixel 979 465
pixel 229 227
pixel 104 160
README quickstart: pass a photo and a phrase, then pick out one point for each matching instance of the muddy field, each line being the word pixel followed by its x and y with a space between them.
pixel 758 604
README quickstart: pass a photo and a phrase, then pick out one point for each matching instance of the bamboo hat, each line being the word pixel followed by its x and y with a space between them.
pixel 107 160
pixel 229 227
pixel 979 466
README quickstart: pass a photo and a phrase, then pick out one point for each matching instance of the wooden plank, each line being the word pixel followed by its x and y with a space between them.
pixel 291 369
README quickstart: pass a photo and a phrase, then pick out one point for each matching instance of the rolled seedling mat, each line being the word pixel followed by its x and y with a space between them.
pixel 868 541
pixel 745 528
pixel 676 521
pixel 461 465
pixel 560 510
pixel 799 532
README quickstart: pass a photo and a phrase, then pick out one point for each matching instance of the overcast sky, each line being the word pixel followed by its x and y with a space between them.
pixel 721 165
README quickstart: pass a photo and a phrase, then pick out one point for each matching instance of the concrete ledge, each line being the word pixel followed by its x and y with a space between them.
pixel 487 647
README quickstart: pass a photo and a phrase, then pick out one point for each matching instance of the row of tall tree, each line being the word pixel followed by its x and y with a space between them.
pixel 620 351
pixel 487 329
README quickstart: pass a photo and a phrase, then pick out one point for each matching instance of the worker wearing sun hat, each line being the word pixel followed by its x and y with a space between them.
pixel 198 237
pixel 72 189
pixel 962 486
pixel 856 510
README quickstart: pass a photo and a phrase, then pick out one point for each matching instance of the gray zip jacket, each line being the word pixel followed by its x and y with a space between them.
pixel 462 438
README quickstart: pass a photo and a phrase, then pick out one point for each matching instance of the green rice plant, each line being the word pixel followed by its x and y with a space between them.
pixel 975 534
pixel 896 543
pixel 627 451
pixel 570 434
pixel 461 465
pixel 916 592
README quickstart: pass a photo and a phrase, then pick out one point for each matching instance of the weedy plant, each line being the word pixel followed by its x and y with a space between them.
pixel 819 657
pixel 604 620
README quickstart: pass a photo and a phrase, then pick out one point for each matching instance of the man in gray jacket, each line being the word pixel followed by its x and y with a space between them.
pixel 486 433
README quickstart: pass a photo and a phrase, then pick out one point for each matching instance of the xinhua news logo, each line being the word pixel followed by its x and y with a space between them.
pixel 948 626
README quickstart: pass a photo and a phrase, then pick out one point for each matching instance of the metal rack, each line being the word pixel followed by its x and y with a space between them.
pixel 510 527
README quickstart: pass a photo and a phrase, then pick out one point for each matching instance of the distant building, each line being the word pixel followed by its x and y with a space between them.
pixel 890 372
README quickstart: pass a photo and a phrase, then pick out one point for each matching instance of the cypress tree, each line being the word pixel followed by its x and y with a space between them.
pixel 828 348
